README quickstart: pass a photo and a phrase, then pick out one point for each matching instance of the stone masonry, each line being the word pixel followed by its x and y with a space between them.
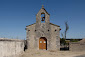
pixel 11 47
pixel 77 46
pixel 48 30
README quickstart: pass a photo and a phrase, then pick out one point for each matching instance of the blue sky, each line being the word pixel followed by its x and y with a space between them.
pixel 15 15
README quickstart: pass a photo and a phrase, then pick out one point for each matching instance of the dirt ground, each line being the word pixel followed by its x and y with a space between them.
pixel 44 53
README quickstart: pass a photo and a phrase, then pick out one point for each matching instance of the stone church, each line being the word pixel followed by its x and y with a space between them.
pixel 43 35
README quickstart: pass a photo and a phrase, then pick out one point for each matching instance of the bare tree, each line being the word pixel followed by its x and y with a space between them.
pixel 62 35
pixel 66 28
pixel 65 32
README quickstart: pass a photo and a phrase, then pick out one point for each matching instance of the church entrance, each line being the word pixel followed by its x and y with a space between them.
pixel 43 43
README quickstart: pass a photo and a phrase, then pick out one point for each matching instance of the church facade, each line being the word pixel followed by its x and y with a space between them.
pixel 43 35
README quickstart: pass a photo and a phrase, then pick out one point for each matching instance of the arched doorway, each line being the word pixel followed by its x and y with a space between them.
pixel 43 43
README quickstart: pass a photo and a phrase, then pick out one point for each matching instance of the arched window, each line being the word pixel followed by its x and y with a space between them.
pixel 42 17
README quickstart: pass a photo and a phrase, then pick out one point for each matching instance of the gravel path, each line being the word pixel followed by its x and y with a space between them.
pixel 44 53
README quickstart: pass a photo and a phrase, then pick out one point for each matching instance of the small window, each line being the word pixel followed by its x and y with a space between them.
pixel 40 41
pixel 35 30
pixel 55 30
pixel 48 30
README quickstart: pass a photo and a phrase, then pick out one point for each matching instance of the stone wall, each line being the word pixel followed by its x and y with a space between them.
pixel 77 46
pixel 55 37
pixel 11 47
pixel 30 37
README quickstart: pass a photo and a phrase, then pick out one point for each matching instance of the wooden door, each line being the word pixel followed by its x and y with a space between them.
pixel 42 43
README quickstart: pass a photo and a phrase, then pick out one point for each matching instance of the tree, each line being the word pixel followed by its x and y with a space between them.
pixel 65 32
pixel 66 28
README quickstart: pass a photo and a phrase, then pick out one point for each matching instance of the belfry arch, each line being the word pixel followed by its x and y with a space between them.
pixel 42 17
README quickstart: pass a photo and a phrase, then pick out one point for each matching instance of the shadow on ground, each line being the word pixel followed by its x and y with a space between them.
pixel 64 49
pixel 81 55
